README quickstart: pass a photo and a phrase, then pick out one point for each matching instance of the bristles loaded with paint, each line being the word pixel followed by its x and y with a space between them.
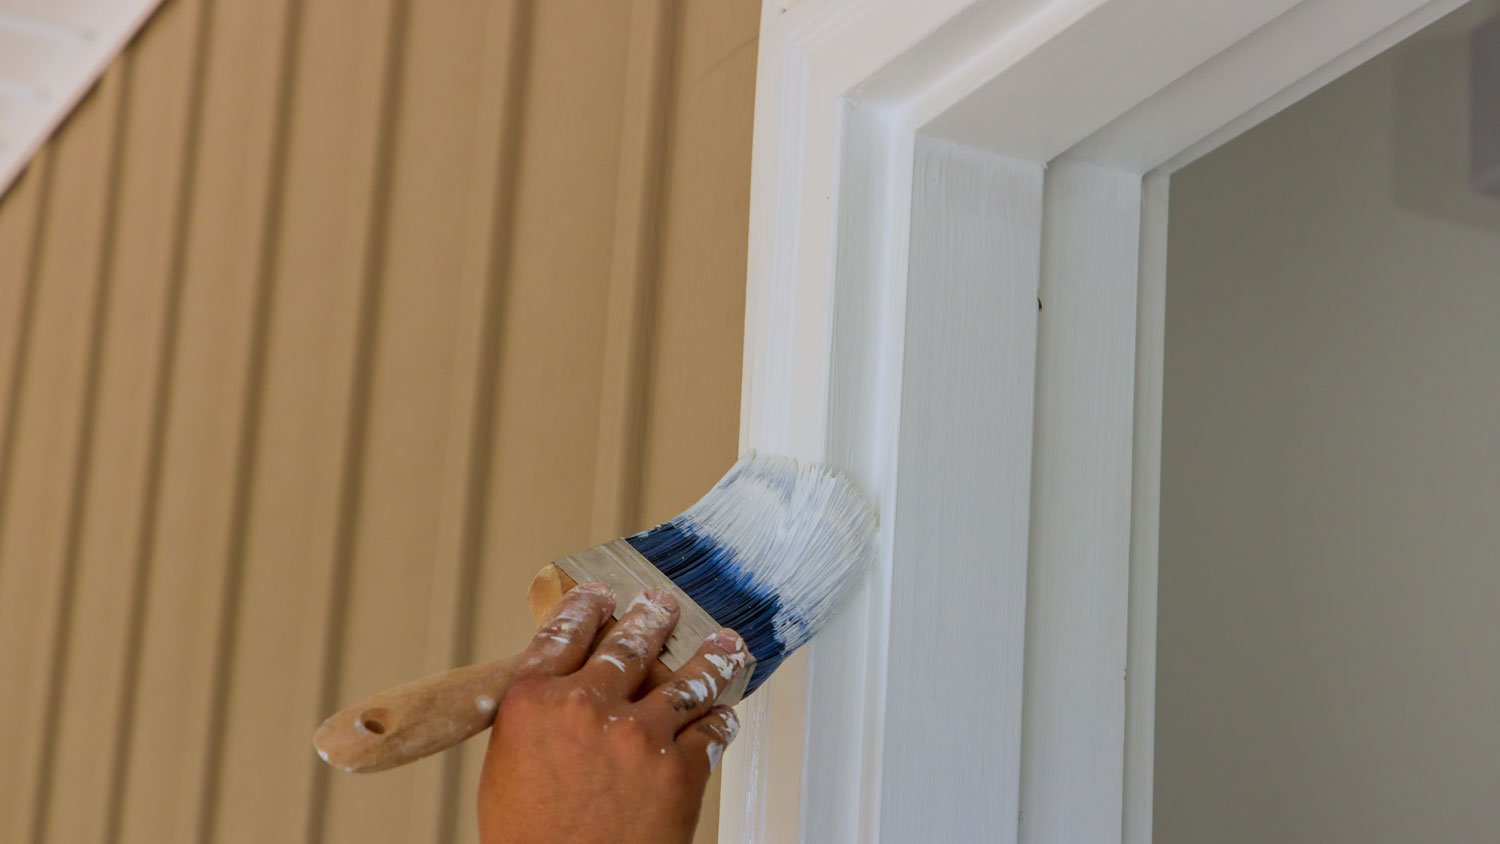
pixel 771 551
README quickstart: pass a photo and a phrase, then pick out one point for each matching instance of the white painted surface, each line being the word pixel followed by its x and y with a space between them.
pixel 1145 517
pixel 1103 59
pixel 837 297
pixel 51 53
pixel 1269 66
pixel 1076 608
pixel 810 53
pixel 960 523
pixel 1331 482
pixel 848 666
pixel 1339 37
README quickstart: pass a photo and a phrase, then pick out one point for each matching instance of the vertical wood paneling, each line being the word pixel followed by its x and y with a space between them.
pixel 38 505
pixel 561 252
pixel 699 290
pixel 387 624
pixel 632 275
pixel 91 715
pixel 199 520
pixel 19 225
pixel 400 301
pixel 468 446
pixel 323 307
pixel 80 589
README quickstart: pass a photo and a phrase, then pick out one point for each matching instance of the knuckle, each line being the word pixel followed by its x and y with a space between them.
pixel 675 773
pixel 558 628
pixel 693 690
pixel 628 735
pixel 684 696
pixel 581 697
pixel 525 691
pixel 579 707
pixel 630 649
pixel 648 613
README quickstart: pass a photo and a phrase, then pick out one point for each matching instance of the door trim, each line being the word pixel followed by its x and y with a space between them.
pixel 915 165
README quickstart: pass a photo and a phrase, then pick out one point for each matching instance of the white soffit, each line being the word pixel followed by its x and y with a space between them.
pixel 51 52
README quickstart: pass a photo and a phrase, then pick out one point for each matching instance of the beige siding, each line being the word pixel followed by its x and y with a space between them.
pixel 322 326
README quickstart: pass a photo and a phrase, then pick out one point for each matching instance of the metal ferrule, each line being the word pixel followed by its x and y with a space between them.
pixel 629 574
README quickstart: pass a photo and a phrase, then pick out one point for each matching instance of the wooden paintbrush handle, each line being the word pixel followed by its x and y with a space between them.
pixel 434 713
pixel 417 719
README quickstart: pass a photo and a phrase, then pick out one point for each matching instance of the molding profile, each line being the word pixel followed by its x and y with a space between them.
pixel 51 54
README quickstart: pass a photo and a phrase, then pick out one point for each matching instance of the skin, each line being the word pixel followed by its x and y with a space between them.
pixel 590 746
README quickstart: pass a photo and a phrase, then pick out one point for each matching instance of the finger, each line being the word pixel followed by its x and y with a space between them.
pixel 703 741
pixel 691 692
pixel 626 652
pixel 562 642
pixel 657 674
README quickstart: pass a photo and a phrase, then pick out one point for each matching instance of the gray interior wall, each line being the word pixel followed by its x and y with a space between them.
pixel 1329 665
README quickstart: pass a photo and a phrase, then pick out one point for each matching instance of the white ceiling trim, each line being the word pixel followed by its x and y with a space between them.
pixel 51 53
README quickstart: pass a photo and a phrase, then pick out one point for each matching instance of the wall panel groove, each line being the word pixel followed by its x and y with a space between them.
pixel 23 232
pixel 627 375
pixel 247 447
pixel 468 459
pixel 210 418
pixel 114 88
pixel 50 423
pixel 166 142
pixel 351 476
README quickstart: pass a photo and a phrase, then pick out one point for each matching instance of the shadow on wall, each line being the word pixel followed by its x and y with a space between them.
pixel 1431 176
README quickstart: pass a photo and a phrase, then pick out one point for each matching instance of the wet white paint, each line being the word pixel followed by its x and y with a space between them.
pixel 770 509
pixel 699 690
pixel 715 753
pixel 727 665
pixel 484 703
pixel 612 661
pixel 643 616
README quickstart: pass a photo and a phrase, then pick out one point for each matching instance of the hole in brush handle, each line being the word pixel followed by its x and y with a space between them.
pixel 375 721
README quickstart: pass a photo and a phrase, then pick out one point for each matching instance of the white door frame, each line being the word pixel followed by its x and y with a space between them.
pixel 956 293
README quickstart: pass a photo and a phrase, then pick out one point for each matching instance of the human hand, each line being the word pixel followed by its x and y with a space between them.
pixel 585 749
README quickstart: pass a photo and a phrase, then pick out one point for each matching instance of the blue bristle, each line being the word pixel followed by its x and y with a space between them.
pixel 717 582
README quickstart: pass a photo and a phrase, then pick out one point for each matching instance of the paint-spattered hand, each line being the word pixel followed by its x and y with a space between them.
pixel 587 747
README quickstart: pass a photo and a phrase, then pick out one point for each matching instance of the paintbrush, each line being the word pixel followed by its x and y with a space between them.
pixel 770 551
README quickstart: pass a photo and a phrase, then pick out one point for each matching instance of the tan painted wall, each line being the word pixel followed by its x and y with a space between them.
pixel 323 324
pixel 1330 577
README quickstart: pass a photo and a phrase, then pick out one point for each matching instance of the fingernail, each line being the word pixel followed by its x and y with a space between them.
pixel 728 640
pixel 661 598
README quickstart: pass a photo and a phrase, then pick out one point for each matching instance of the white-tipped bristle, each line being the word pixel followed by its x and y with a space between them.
pixel 802 532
